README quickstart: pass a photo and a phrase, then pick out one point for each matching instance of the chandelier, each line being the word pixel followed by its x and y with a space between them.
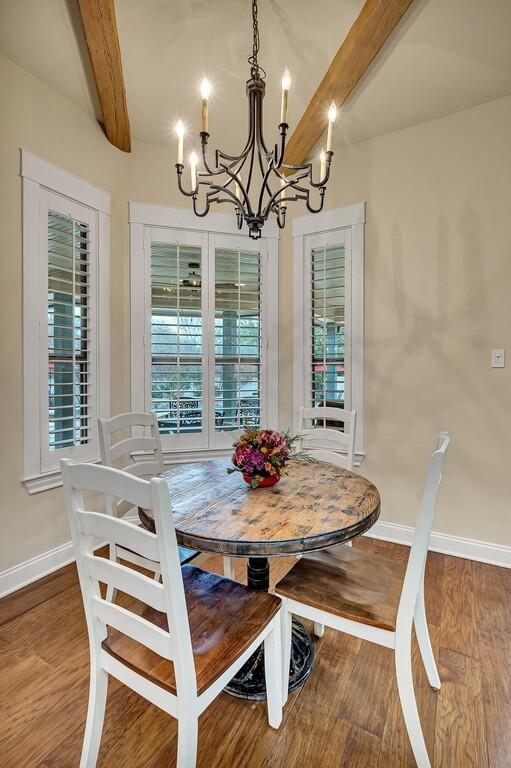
pixel 257 182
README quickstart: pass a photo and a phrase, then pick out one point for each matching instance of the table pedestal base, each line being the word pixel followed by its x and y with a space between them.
pixel 249 683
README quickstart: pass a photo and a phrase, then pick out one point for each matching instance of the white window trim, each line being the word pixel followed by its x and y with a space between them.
pixel 351 218
pixel 144 217
pixel 37 175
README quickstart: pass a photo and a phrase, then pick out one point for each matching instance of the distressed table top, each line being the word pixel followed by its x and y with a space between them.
pixel 316 505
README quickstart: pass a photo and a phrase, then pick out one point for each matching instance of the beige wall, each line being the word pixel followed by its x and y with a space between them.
pixel 38 119
pixel 438 271
pixel 437 300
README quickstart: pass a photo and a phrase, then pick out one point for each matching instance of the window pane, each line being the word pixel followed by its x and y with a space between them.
pixel 327 326
pixel 237 339
pixel 176 338
pixel 68 332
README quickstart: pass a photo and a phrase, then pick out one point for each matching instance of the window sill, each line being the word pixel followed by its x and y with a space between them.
pixel 46 481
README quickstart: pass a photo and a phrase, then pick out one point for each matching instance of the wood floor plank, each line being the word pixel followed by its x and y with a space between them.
pixel 460 738
pixel 363 700
pixel 40 723
pixel 458 624
pixel 308 741
pixel 493 630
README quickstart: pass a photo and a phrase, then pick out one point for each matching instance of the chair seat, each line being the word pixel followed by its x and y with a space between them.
pixel 349 583
pixel 225 618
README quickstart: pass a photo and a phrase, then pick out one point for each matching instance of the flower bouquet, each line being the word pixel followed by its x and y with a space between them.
pixel 261 456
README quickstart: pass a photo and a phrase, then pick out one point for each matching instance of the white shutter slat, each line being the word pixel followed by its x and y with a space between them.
pixel 69 343
pixel 327 325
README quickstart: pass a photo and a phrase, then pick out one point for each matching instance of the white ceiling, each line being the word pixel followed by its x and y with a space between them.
pixel 447 55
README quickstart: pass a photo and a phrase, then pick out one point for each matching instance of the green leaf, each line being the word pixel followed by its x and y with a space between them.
pixel 255 482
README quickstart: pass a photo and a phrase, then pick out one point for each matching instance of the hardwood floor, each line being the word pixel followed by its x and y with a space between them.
pixel 346 714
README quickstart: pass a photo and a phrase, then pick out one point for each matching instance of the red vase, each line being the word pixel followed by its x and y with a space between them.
pixel 264 482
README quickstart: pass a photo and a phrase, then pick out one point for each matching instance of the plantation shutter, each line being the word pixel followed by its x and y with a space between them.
pixel 237 354
pixel 327 325
pixel 70 337
pixel 177 385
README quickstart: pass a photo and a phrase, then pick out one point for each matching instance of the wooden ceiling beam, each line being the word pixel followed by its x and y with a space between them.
pixel 100 28
pixel 371 29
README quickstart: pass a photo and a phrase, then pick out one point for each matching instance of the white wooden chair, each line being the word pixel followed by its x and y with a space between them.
pixel 326 443
pixel 176 643
pixel 366 596
pixel 150 464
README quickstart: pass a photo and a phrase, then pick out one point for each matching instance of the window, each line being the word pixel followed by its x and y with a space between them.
pixel 202 351
pixel 237 339
pixel 65 319
pixel 328 295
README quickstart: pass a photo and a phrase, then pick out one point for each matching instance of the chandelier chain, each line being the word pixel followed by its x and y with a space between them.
pixel 256 71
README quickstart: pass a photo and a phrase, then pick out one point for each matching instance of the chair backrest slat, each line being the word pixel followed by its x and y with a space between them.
pixel 328 443
pixel 134 626
pixel 130 445
pixel 143 468
pixel 169 635
pixel 419 549
pixel 120 532
pixel 126 580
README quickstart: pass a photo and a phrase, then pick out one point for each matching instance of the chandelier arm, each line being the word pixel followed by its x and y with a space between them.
pixel 321 202
pixel 241 186
pixel 289 185
pixel 179 169
pixel 206 209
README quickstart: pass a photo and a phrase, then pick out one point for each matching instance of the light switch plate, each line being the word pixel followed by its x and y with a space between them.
pixel 498 358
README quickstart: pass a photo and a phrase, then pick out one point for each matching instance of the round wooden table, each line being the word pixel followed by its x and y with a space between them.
pixel 315 506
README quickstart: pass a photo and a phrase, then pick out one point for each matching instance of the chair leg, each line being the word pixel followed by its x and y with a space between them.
pixel 111 593
pixel 422 632
pixel 229 568
pixel 286 619
pixel 273 672
pixel 319 629
pixel 187 736
pixel 408 702
pixel 98 687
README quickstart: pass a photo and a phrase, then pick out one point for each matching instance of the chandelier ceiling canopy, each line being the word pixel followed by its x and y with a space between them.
pixel 257 182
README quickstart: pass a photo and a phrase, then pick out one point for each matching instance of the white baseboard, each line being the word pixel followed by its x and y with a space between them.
pixel 42 565
pixel 35 568
pixel 495 554
pixel 470 549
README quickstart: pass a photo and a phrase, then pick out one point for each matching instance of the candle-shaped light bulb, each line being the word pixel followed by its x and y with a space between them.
pixel 193 170
pixel 322 160
pixel 286 85
pixel 180 131
pixel 332 114
pixel 237 190
pixel 205 94
pixel 283 195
